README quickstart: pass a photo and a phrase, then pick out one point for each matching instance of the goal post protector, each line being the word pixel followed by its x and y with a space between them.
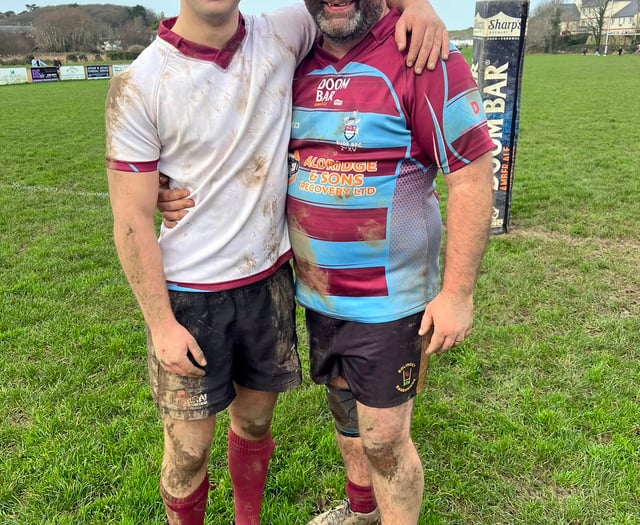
pixel 499 34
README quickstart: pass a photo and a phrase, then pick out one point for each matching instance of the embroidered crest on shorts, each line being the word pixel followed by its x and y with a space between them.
pixel 408 377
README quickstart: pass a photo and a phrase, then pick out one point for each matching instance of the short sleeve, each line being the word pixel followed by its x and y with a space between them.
pixel 131 130
pixel 448 115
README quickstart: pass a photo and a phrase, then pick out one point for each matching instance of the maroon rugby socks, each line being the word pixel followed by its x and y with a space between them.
pixel 361 499
pixel 248 466
pixel 189 510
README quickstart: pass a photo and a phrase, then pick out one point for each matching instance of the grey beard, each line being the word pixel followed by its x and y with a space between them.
pixel 353 30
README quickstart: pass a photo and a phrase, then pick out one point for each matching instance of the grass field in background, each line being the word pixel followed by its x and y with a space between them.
pixel 533 420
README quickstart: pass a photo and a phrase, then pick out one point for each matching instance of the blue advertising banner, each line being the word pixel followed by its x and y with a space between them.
pixel 94 72
pixel 44 74
pixel 498 54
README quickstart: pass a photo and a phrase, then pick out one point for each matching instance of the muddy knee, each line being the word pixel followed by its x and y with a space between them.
pixel 383 458
pixel 184 457
pixel 181 468
pixel 254 429
pixel 251 413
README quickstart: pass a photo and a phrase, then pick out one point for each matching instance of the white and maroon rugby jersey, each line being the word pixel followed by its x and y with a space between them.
pixel 368 138
pixel 216 122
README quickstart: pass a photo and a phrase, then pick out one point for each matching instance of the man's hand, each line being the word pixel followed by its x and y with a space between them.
pixel 172 204
pixel 450 318
pixel 429 37
pixel 172 345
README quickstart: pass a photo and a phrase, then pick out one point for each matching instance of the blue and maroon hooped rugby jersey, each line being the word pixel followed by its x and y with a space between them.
pixel 368 138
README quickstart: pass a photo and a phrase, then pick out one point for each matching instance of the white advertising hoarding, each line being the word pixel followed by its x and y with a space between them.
pixel 13 75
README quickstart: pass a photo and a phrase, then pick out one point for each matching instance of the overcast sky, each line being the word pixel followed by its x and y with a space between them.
pixel 457 14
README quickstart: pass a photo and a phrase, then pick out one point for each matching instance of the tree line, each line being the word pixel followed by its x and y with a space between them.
pixel 84 29
pixel 75 28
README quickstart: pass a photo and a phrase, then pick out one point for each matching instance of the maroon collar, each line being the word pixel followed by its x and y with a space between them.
pixel 221 57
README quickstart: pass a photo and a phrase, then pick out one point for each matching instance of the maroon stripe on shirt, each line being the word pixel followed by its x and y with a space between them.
pixel 343 282
pixel 237 283
pixel 347 225
pixel 134 167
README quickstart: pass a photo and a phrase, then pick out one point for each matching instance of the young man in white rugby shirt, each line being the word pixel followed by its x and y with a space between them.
pixel 208 104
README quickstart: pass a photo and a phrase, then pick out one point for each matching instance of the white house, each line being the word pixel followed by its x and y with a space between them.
pixel 115 45
pixel 622 17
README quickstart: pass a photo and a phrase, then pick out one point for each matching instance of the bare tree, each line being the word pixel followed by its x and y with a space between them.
pixel 543 31
pixel 594 15
pixel 135 32
pixel 67 29
pixel 16 43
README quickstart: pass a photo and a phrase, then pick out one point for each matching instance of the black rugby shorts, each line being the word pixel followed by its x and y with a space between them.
pixel 248 337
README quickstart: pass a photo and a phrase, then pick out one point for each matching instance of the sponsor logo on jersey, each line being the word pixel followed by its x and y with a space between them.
pixel 328 87
pixel 293 166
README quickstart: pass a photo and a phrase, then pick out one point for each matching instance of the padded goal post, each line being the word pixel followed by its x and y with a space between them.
pixel 498 54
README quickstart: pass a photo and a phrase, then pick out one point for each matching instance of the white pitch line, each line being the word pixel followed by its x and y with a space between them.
pixel 53 189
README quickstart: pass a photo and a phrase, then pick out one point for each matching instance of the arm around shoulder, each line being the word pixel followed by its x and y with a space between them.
pixel 429 37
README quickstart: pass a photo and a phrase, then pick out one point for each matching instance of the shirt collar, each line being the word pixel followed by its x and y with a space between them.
pixel 221 57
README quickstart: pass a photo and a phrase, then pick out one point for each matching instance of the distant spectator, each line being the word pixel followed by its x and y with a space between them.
pixel 57 64
pixel 36 62
pixel 597 53
pixel 620 51
pixel 584 51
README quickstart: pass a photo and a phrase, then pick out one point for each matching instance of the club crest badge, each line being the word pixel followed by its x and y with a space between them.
pixel 350 126
pixel 407 377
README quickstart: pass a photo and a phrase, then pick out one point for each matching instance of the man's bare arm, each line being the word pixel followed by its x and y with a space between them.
pixel 133 200
pixel 469 203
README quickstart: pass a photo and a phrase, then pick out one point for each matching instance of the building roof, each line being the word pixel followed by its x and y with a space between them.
pixel 630 10
pixel 592 3
pixel 569 12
